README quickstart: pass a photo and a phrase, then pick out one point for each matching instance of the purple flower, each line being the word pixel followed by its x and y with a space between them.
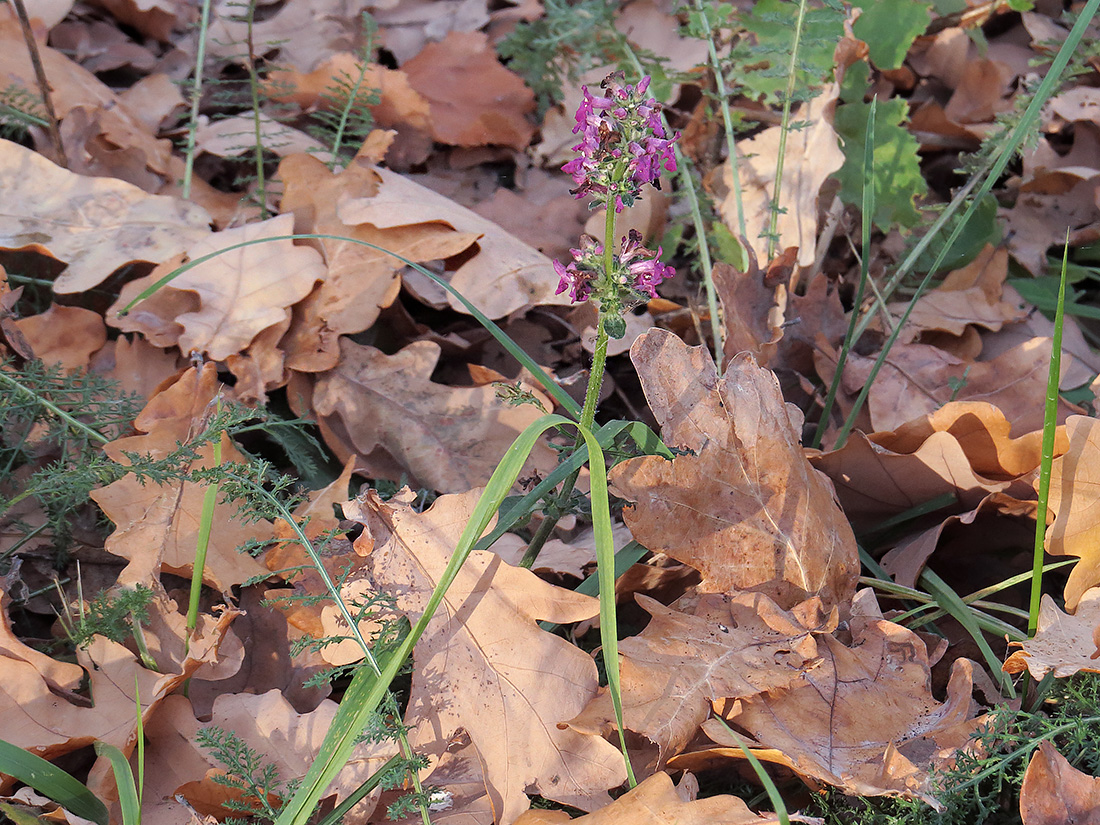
pixel 636 272
pixel 623 143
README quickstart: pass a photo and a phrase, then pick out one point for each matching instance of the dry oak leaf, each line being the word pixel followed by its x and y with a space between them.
pixel 1063 643
pixel 1056 793
pixel 447 438
pixel 748 511
pixel 752 307
pixel 360 281
pixel 1074 498
pixel 973 295
pixel 474 100
pixel 983 433
pixel 64 336
pixel 917 379
pixel 656 801
pixel 863 720
pixel 682 663
pixel 874 482
pixel 812 155
pixel 95 225
pixel 72 86
pixel 485 666
pixel 244 291
pixel 268 724
pixel 504 276
pixel 50 722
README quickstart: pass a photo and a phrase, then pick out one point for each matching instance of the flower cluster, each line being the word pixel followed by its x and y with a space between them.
pixel 623 143
pixel 635 274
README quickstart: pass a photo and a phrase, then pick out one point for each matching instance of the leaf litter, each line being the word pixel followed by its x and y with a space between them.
pixel 747 613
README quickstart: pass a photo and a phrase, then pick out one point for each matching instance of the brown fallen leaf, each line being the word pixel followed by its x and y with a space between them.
pixel 1062 643
pixel 874 483
pixel 752 308
pixel 64 336
pixel 157 525
pixel 982 432
pixel 447 438
pixel 747 510
pixel 95 225
pixel 811 156
pixel 243 291
pixel 484 665
pixel 359 281
pixel 917 379
pixel 177 764
pixel 656 801
pixel 504 276
pixel 474 100
pixel 1074 494
pixel 863 720
pixel 683 662
pixel 1056 793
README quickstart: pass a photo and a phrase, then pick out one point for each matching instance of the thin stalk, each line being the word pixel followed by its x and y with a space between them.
pixel 257 123
pixel 196 99
pixel 42 81
pixel 591 399
pixel 864 272
pixel 784 130
pixel 727 118
pixel 202 545
pixel 1050 424
pixel 73 422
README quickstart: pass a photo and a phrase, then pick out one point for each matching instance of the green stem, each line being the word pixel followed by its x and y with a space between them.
pixel 196 99
pixel 784 130
pixel 591 397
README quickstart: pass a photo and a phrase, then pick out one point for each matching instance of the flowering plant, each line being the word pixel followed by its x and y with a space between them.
pixel 624 145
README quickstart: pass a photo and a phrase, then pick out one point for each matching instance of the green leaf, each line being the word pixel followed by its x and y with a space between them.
pixel 889 29
pixel 51 781
pixel 898 179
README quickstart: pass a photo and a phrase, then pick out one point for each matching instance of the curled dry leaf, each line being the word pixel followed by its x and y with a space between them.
pixel 447 438
pixel 243 291
pixel 874 483
pixel 747 509
pixel 484 666
pixel 917 379
pixel 656 801
pixel 1063 643
pixel 95 225
pixel 752 307
pixel 682 663
pixel 1056 793
pixel 505 275
pixel 1074 495
pixel 359 281
pixel 983 433
pixel 863 720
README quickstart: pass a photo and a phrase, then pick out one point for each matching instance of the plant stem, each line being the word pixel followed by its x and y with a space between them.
pixel 42 81
pixel 1050 425
pixel 196 99
pixel 591 398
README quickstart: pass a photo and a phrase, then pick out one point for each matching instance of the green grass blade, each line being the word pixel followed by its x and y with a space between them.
pixel 1050 423
pixel 360 793
pixel 551 386
pixel 765 779
pixel 51 781
pixel 124 779
pixel 864 271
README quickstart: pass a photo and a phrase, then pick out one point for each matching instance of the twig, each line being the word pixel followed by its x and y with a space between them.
pixel 43 84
